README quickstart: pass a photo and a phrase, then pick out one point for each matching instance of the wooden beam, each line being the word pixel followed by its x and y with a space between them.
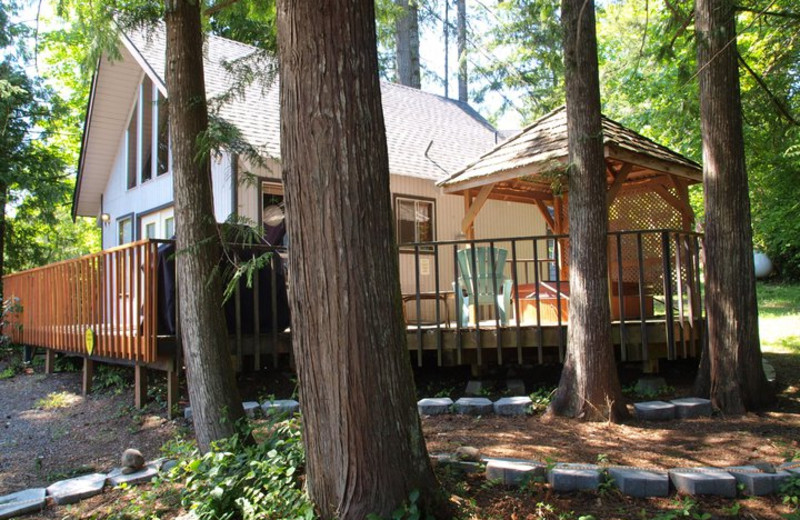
pixel 88 375
pixel 455 186
pixel 545 211
pixel 659 165
pixel 475 207
pixel 139 385
pixel 673 201
pixel 558 215
pixel 619 180
pixel 682 190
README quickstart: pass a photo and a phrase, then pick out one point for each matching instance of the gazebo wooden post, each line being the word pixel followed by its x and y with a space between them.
pixel 692 290
pixel 469 232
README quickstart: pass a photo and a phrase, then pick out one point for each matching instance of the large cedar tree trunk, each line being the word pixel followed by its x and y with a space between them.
pixel 407 38
pixel 589 388
pixel 364 447
pixel 215 401
pixel 738 382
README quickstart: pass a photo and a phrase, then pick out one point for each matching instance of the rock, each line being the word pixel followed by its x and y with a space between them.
pixel 434 405
pixel 461 466
pixel 22 502
pixel 513 405
pixel 187 413
pixel 473 406
pixel 475 387
pixel 655 411
pixel 76 489
pixel 703 481
pixel 468 453
pixel 691 407
pixel 515 386
pixel 132 460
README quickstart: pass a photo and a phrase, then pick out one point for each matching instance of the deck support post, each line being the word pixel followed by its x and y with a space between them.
pixel 139 385
pixel 49 361
pixel 88 375
pixel 172 392
pixel 650 366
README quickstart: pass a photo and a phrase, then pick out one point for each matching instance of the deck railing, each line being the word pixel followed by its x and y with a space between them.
pixel 104 304
pixel 654 276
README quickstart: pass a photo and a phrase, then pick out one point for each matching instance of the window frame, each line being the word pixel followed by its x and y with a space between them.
pixel 122 219
pixel 406 247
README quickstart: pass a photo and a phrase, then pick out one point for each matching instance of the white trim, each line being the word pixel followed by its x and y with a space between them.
pixel 146 68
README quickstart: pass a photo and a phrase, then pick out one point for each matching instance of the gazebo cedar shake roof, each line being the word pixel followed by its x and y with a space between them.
pixel 523 169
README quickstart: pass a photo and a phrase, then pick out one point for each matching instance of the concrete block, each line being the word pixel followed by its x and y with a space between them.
pixel 76 489
pixel 691 407
pixel 280 406
pixel 513 473
pixel 564 477
pixel 187 413
pixel 434 405
pixel 513 405
pixel 515 386
pixel 474 406
pixel 703 481
pixel 116 477
pixel 649 385
pixel 640 483
pixel 251 408
pixel 756 482
pixel 459 466
pixel 475 387
pixel 792 467
pixel 22 502
pixel 654 411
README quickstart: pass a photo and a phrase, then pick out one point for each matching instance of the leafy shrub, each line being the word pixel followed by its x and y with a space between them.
pixel 235 480
pixel 111 379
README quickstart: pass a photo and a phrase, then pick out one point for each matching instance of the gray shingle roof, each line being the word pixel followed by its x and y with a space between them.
pixel 542 147
pixel 415 120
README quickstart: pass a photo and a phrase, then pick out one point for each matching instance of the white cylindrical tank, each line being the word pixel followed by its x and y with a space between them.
pixel 762 263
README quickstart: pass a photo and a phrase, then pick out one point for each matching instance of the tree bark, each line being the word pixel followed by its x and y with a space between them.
pixel 461 40
pixel 216 405
pixel 364 446
pixel 738 382
pixel 407 37
pixel 589 387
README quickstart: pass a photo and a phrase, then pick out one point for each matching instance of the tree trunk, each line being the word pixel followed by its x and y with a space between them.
pixel 738 382
pixel 3 201
pixel 589 386
pixel 407 35
pixel 461 29
pixel 364 446
pixel 216 405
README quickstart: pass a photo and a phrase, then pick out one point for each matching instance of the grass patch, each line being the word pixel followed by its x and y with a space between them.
pixel 779 317
pixel 55 400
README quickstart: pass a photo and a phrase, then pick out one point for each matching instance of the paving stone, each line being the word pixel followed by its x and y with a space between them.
pixel 280 406
pixel 691 407
pixel 22 502
pixel 703 481
pixel 640 483
pixel 755 482
pixel 168 465
pixel 649 385
pixel 513 473
pixel 654 411
pixel 251 408
pixel 791 467
pixel 115 478
pixel 565 477
pixel 434 405
pixel 474 406
pixel 513 405
pixel 76 489
pixel 187 412
pixel 515 386
pixel 460 466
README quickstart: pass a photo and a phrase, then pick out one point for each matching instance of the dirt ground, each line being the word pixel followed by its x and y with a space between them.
pixel 39 445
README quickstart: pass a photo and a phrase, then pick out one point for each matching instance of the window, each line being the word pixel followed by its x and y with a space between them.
pixel 150 230
pixel 146 117
pixel 415 220
pixel 125 230
pixel 158 224
pixel 133 146
pixel 162 137
pixel 169 227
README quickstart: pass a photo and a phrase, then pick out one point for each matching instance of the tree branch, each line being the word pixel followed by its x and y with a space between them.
pixel 781 14
pixel 214 9
pixel 761 83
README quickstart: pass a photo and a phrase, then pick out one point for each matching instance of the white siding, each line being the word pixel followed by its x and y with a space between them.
pixel 221 181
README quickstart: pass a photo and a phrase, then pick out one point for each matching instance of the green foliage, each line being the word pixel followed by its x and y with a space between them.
pixel 111 379
pixel 790 496
pixel 235 480
pixel 410 510
pixel 541 398
pixel 56 400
